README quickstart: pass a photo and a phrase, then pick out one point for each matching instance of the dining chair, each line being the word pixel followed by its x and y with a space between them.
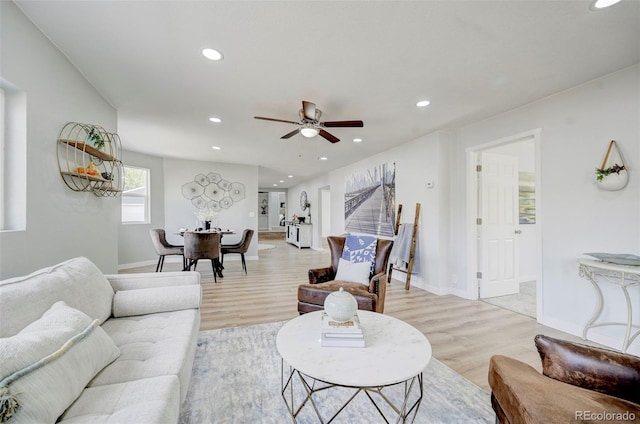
pixel 203 245
pixel 163 248
pixel 241 247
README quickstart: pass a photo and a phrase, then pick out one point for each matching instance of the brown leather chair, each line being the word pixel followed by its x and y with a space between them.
pixel 163 248
pixel 321 281
pixel 203 245
pixel 577 382
pixel 241 247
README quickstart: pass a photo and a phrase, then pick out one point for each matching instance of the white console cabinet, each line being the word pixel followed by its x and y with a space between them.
pixel 299 234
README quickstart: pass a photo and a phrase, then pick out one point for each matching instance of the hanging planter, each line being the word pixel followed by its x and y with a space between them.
pixel 612 177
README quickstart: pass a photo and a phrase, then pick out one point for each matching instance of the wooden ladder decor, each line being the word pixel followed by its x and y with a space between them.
pixel 412 250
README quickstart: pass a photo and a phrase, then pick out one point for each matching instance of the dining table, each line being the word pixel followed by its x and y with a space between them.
pixel 218 265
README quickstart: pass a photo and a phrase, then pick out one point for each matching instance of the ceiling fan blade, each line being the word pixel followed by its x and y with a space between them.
pixel 291 134
pixel 332 138
pixel 309 110
pixel 277 120
pixel 336 124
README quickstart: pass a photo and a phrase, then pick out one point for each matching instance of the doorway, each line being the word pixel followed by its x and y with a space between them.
pixel 505 259
pixel 324 194
pixel 272 210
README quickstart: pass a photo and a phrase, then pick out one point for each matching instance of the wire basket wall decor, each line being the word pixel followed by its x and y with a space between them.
pixel 89 159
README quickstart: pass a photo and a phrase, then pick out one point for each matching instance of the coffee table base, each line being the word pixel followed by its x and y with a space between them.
pixel 312 386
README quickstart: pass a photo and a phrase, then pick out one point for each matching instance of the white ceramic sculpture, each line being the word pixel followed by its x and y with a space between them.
pixel 340 305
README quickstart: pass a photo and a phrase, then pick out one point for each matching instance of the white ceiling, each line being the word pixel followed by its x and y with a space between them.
pixel 368 60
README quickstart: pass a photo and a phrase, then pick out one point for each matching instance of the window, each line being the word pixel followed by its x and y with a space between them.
pixel 13 157
pixel 3 155
pixel 135 196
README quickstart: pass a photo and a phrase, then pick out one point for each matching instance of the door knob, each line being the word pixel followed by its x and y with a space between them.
pixel 518 231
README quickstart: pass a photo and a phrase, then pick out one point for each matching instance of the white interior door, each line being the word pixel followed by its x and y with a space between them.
pixel 498 230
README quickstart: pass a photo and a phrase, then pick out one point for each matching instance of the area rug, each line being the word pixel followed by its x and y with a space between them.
pixel 237 377
pixel 265 246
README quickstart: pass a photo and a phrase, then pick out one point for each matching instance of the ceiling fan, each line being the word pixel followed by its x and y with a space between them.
pixel 310 125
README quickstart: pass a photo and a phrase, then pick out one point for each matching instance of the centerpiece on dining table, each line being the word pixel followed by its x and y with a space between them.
pixel 205 218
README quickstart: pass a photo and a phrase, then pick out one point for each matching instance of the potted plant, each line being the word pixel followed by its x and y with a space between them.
pixel 93 136
pixel 601 173
pixel 613 177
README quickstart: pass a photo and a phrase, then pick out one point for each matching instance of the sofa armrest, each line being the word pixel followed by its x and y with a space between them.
pixel 153 279
pixel 602 370
pixel 157 299
pixel 321 275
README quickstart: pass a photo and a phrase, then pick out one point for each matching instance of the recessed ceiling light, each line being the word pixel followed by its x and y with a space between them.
pixel 212 54
pixel 275 185
pixel 281 181
pixel 290 176
pixel 602 4
pixel 423 103
pixel 215 119
pixel 357 140
pixel 216 147
pixel 322 158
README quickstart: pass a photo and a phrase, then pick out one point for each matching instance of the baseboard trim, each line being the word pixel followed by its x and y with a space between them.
pixel 177 259
pixel 614 342
pixel 139 264
pixel 417 281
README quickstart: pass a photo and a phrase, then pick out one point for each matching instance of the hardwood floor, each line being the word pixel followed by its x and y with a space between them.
pixel 463 333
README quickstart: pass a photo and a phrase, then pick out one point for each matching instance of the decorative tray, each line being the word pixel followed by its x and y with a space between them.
pixel 619 259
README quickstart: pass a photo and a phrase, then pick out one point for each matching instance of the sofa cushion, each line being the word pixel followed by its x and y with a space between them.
pixel 52 360
pixel 353 272
pixel 160 299
pixel 526 396
pixel 147 401
pixel 152 345
pixel 77 281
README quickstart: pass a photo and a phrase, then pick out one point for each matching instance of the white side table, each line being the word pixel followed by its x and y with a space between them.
pixel 395 353
pixel 621 275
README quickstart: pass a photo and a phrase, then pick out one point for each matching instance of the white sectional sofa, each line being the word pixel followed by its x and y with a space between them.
pixel 78 346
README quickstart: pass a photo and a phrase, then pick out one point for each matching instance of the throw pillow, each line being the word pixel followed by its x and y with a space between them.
pixel 360 248
pixel 158 299
pixel 46 366
pixel 353 272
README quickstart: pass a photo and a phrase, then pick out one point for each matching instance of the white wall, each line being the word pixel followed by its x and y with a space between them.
pixel 325 213
pixel 576 217
pixel 416 162
pixel 60 223
pixel 134 243
pixel 180 213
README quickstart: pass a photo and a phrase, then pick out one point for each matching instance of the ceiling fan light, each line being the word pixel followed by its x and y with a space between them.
pixel 309 132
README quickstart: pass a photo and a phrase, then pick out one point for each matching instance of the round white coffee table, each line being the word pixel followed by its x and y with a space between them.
pixel 394 353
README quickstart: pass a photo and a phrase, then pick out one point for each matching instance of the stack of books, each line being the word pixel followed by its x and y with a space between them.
pixel 341 334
